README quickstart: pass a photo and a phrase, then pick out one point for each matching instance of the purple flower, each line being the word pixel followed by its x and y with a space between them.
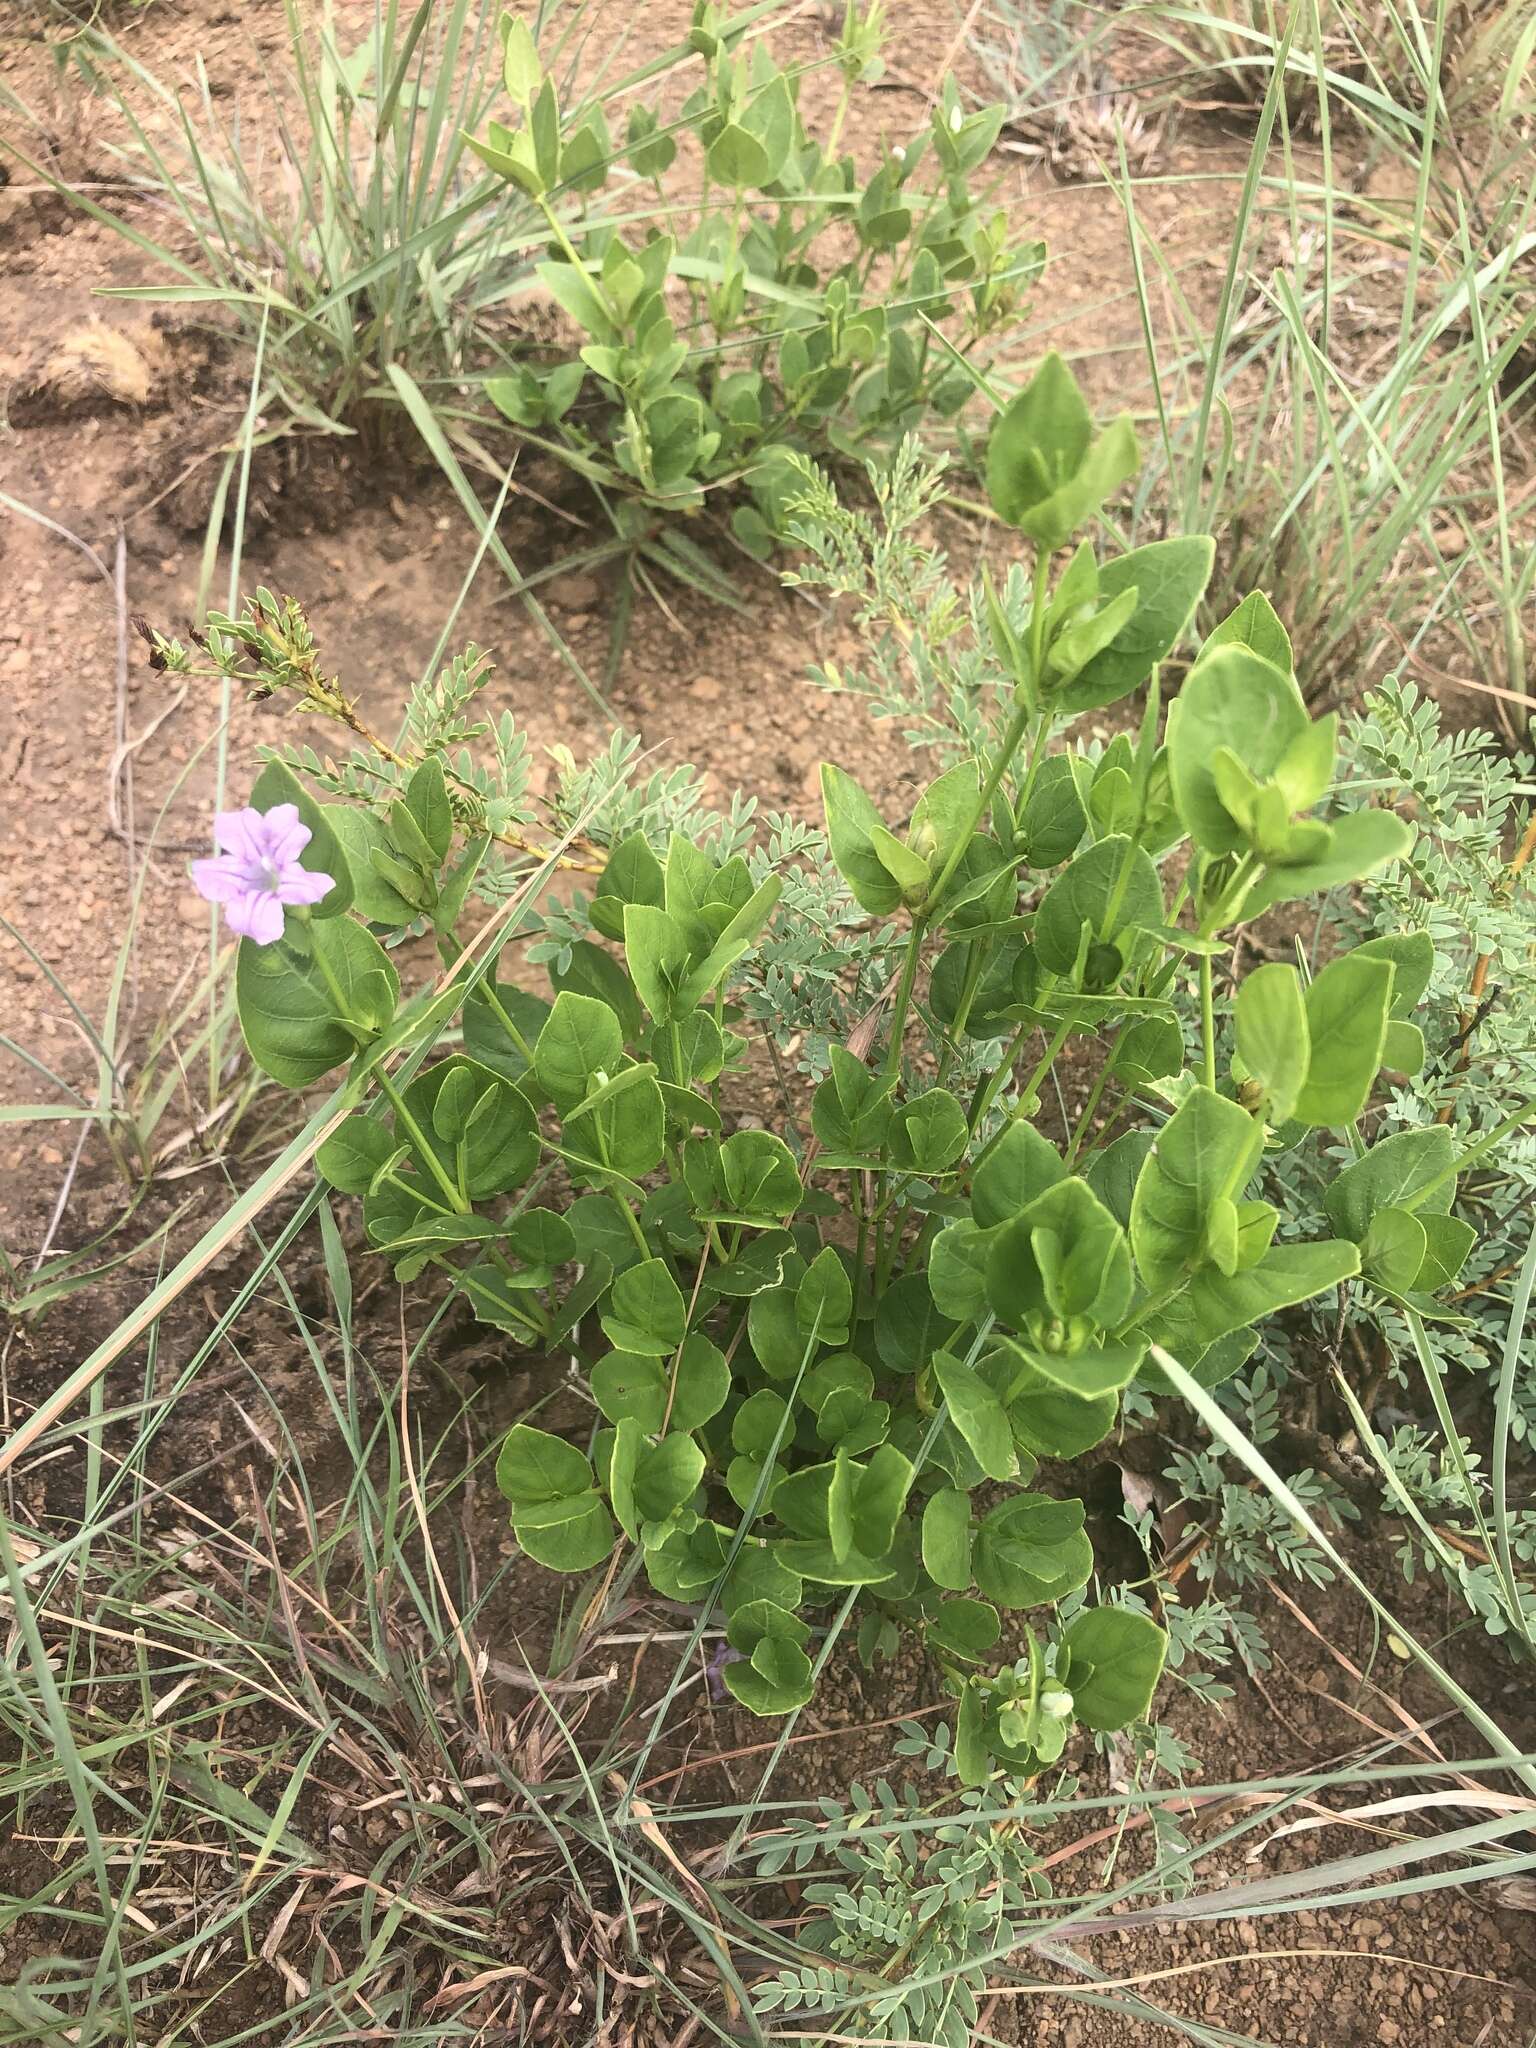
pixel 714 1670
pixel 256 870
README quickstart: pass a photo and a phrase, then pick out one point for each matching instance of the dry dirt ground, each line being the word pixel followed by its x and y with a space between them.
pixel 375 554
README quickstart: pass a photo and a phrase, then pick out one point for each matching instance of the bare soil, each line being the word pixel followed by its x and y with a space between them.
pixel 376 552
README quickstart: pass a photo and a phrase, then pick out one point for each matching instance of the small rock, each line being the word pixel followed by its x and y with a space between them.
pixel 192 910
pixel 575 591
pixel 706 689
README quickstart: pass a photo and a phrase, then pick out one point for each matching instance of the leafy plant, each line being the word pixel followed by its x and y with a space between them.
pixel 707 360
pixel 808 1361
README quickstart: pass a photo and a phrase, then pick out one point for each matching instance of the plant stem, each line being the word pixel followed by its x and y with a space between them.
pixel 1208 1018
pixel 397 1102
pixel 1026 1101
pixel 904 992
pixel 1095 1097
pixel 1018 725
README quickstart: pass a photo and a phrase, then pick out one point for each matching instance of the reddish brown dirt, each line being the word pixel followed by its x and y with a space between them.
pixel 376 556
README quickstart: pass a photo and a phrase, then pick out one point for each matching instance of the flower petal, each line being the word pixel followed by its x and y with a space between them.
pixel 239 833
pixel 257 916
pixel 286 834
pixel 303 885
pixel 221 878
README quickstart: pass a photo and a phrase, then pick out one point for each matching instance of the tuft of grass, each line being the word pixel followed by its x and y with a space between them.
pixel 346 220
pixel 1347 429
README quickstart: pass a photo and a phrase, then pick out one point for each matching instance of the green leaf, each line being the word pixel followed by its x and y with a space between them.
pixel 1214 1304
pixel 824 1298
pixel 1045 1417
pixel 957 1270
pixel 1116 1658
pixel 1255 624
pixel 1031 1549
pixel 947 1539
pixel 910 872
pixel 1046 474
pixel 659 958
pixel 778 1343
pixel 973 1760
pixel 1450 1240
pixel 1020 1167
pixel 532 1467
pixel 776 1678
pixel 928 1133
pixel 815 1559
pixel 1205 1153
pixel 1089 1372
pixel 1347 1009
pixel 759 1175
pixel 1394 1250
pixel 368 850
pixel 1231 699
pixel 852 821
pixel 573 290
pixel 491 1013
pixel 880 1493
pixel 1066 1256
pixel 1052 821
pixel 482 1130
pixel 965 1628
pixel 978 1415
pixel 667 1475
pixel 626 1385
pixel 630 1388
pixel 354 1152
pixel 850 1110
pixel 1411 1169
pixel 426 798
pixel 1272 1041
pixel 1109 888
pixel 577 1542
pixel 759 1422
pixel 1360 843
pixel 325 854
pixel 945 815
pixel 592 972
pixel 633 875
pixel 646 1311
pixel 1413 963
pixel 908 1326
pixel 580 1046
pixel 521 71
pixel 731 942
pixel 286 1008
pixel 1168 577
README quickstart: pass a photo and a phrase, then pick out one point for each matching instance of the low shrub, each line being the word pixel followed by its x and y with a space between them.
pixel 823 1376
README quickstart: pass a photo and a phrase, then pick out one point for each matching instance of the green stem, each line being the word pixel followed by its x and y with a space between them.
pixel 1095 1097
pixel 633 1222
pixel 1026 1101
pixel 904 992
pixel 407 1122
pixel 976 961
pixel 1208 1018
pixel 989 1084
pixel 861 1251
pixel 566 246
pixel 1012 738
